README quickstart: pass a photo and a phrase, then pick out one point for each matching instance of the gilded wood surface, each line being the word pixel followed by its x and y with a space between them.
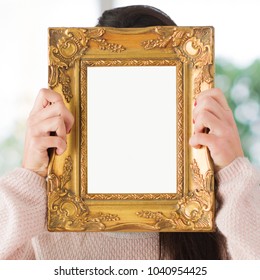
pixel 71 52
pixel 69 212
pixel 66 46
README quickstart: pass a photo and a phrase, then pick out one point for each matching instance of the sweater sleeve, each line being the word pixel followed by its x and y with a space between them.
pixel 239 217
pixel 22 212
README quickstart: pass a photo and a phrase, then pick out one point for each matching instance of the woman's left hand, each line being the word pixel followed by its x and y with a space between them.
pixel 212 112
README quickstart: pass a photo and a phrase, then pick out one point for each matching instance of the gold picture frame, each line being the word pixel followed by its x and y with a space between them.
pixel 72 51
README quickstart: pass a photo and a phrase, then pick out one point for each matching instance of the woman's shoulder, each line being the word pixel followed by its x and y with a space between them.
pixel 22 176
pixel 241 168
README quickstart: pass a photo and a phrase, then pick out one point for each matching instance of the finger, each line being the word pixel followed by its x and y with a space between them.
pixel 223 150
pixel 217 95
pixel 44 128
pixel 41 144
pixel 56 109
pixel 207 120
pixel 45 97
pixel 209 104
pixel 203 139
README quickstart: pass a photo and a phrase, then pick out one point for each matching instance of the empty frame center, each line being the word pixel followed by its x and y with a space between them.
pixel 131 129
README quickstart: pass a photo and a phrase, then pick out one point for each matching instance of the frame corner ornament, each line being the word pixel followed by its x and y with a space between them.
pixel 192 45
pixel 68 211
pixel 193 212
pixel 66 46
pixel 189 207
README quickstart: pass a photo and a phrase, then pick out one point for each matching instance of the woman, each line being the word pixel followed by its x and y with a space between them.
pixel 23 233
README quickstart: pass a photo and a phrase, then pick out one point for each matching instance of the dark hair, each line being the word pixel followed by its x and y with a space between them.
pixel 134 16
pixel 176 245
pixel 195 245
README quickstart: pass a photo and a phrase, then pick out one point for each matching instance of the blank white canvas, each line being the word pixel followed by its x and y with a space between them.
pixel 131 129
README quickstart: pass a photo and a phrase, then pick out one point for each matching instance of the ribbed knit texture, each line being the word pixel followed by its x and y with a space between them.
pixel 22 212
pixel 239 218
pixel 23 233
pixel 97 246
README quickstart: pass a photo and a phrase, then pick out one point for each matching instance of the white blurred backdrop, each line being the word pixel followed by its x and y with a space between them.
pixel 24 56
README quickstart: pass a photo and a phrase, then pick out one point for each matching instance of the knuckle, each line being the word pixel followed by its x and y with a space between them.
pixel 218 91
pixel 72 119
pixel 60 107
pixel 57 97
pixel 59 120
pixel 206 101
pixel 59 142
pixel 194 139
pixel 197 138
pixel 43 92
pixel 203 115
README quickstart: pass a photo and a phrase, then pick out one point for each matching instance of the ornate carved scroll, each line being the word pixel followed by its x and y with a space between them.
pixel 70 206
pixel 68 45
pixel 68 211
pixel 191 45
pixel 193 212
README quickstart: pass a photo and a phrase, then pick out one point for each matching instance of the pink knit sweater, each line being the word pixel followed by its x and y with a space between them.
pixel 23 232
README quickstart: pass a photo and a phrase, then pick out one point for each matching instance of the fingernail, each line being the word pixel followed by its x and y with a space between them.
pixel 195 103
pixel 193 121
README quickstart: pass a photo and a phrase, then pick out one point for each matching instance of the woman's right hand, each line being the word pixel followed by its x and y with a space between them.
pixel 49 115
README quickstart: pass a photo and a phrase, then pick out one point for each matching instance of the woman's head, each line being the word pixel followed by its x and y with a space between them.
pixel 135 16
pixel 176 245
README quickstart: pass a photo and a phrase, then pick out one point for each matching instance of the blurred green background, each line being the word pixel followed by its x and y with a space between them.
pixel 242 89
